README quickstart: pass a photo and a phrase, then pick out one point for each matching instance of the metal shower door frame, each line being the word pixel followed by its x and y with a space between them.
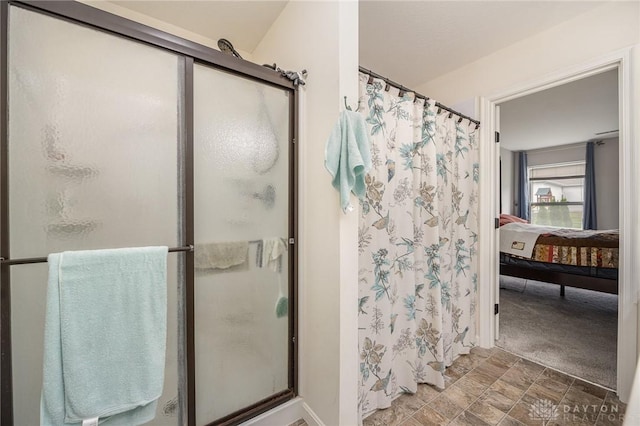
pixel 188 53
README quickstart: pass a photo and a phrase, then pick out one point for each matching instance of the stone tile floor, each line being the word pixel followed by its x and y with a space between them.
pixel 494 387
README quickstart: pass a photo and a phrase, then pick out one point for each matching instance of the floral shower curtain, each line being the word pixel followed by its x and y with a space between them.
pixel 417 244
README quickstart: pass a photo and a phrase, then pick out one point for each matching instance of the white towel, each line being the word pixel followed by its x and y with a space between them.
pixel 272 251
pixel 221 255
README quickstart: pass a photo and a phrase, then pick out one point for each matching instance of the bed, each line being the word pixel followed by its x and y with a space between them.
pixel 568 257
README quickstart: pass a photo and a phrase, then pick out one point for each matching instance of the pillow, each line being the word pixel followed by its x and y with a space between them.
pixel 507 218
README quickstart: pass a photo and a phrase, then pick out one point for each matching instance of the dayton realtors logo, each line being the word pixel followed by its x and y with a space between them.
pixel 580 413
pixel 545 410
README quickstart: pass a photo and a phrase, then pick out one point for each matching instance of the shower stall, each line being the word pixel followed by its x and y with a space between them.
pixel 114 134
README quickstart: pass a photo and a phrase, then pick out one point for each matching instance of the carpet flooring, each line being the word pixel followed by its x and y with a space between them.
pixel 576 334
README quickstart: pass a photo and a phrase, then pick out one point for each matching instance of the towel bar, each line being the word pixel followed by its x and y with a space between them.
pixel 27 260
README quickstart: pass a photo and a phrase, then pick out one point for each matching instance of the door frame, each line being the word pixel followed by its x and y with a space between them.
pixel 628 208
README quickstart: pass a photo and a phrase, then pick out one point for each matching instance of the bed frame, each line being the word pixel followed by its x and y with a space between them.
pixel 603 285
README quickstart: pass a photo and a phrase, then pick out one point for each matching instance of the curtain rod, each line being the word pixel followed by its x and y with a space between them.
pixel 598 142
pixel 418 95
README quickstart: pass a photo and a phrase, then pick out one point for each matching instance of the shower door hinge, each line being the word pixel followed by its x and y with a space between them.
pixel 496 309
pixel 292 241
pixel 497 137
pixel 496 223
pixel 293 141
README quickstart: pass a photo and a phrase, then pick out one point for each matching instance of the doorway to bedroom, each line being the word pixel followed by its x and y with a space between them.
pixel 559 221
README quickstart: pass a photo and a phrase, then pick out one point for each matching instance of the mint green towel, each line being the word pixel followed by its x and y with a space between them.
pixel 105 336
pixel 348 156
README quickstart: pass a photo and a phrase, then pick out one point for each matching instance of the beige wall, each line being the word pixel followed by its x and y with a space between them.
pixel 322 38
pixel 604 29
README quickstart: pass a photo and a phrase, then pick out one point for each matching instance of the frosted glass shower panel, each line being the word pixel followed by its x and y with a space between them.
pixel 93 131
pixel 93 163
pixel 241 174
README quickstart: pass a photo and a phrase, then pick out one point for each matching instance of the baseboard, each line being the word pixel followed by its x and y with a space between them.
pixel 283 414
pixel 310 416
pixel 486 345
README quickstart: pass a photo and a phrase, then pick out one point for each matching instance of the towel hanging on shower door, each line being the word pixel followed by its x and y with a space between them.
pixel 105 336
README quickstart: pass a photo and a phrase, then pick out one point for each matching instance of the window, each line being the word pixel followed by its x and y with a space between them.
pixel 556 192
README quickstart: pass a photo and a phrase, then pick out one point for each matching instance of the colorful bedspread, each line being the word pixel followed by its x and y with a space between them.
pixel 578 247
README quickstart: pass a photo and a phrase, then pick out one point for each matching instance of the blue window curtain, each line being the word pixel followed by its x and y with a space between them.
pixel 589 217
pixel 523 187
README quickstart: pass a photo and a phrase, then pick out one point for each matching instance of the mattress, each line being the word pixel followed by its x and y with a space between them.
pixel 580 248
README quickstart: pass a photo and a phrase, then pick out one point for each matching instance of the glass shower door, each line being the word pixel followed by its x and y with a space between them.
pixel 93 163
pixel 241 205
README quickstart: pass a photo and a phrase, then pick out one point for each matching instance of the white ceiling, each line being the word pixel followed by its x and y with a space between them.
pixel 244 23
pixel 571 113
pixel 412 42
